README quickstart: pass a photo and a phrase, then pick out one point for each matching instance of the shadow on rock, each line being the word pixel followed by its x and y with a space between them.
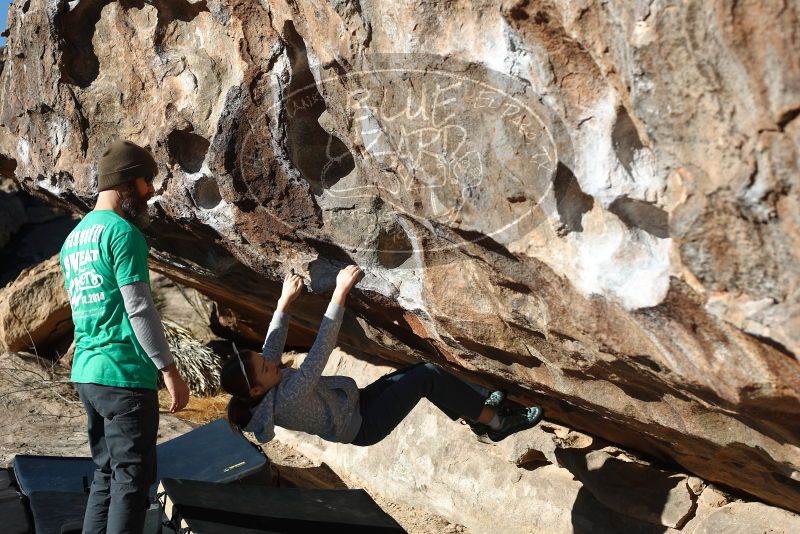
pixel 620 495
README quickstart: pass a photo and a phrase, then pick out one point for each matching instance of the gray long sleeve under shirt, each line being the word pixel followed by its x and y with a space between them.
pixel 146 323
pixel 304 400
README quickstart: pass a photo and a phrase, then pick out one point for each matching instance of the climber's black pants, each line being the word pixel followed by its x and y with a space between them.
pixel 123 427
pixel 387 401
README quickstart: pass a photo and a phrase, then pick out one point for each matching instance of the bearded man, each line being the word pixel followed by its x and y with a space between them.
pixel 120 345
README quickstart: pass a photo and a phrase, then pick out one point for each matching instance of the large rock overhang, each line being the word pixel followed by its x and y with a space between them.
pixel 567 227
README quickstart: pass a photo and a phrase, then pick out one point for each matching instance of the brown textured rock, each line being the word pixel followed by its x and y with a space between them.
pixel 34 309
pixel 592 204
pixel 31 230
pixel 227 323
pixel 661 497
pixel 12 216
pixel 741 518
pixel 545 479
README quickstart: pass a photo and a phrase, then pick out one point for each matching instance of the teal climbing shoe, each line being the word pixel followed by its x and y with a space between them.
pixel 516 420
pixel 495 399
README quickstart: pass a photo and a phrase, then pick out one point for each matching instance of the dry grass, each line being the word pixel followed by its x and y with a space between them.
pixel 200 410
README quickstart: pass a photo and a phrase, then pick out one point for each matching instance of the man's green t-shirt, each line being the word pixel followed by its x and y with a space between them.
pixel 103 253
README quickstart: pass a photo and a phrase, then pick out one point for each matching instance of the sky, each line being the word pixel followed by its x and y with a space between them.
pixel 3 13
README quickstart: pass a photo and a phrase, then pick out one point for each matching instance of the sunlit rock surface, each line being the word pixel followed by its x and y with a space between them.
pixel 593 205
pixel 546 479
pixel 34 311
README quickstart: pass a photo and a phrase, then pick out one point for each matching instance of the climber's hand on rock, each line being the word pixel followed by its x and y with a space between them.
pixel 292 286
pixel 345 281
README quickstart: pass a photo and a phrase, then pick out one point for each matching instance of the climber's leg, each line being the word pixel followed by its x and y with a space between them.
pixel 387 401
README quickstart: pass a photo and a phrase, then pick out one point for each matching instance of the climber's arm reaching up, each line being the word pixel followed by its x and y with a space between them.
pixel 279 325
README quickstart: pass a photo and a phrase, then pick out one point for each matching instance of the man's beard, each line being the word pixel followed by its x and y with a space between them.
pixel 135 208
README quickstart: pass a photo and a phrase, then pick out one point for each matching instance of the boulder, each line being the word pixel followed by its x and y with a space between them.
pixel 546 479
pixel 12 216
pixel 635 489
pixel 746 517
pixel 34 310
pixel 31 230
pixel 592 205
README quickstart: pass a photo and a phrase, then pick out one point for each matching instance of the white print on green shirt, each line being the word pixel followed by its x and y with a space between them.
pixel 89 235
pixel 76 262
pixel 85 281
pixel 79 270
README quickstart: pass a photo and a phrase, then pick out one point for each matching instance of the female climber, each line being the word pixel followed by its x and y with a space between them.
pixel 333 407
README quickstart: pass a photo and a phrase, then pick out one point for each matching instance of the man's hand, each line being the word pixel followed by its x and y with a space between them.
pixel 345 281
pixel 292 287
pixel 177 388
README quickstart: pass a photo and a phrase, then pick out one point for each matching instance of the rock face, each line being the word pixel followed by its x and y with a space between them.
pixel 743 517
pixel 30 230
pixel 34 310
pixel 594 205
pixel 546 479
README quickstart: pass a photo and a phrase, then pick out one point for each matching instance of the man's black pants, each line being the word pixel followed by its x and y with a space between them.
pixel 123 426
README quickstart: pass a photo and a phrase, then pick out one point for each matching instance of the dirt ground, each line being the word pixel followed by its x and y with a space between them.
pixel 40 413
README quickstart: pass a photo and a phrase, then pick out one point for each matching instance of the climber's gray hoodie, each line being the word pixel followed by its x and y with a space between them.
pixel 303 400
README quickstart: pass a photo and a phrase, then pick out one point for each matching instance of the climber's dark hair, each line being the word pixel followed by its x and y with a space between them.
pixel 233 382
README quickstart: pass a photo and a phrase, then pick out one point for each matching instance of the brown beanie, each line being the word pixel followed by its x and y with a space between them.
pixel 122 162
